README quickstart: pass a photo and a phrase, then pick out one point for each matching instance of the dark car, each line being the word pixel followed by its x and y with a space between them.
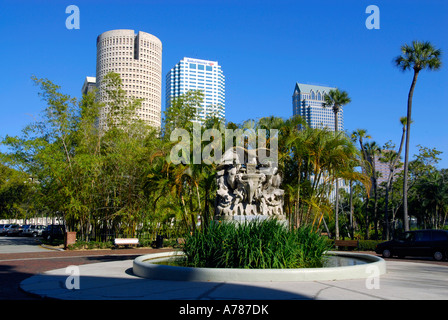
pixel 4 229
pixel 53 231
pixel 419 243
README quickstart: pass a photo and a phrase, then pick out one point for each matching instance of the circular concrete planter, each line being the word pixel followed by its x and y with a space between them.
pixel 145 267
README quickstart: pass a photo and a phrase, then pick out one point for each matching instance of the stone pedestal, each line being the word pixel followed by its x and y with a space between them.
pixel 243 218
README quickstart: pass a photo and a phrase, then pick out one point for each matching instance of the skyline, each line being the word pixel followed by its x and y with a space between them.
pixel 264 47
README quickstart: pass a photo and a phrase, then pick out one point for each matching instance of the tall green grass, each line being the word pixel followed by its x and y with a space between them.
pixel 254 244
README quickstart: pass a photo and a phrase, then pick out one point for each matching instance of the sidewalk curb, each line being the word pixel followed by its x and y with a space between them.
pixel 50 248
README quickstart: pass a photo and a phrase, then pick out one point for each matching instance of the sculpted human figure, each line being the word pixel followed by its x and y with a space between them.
pixel 231 176
pixel 250 189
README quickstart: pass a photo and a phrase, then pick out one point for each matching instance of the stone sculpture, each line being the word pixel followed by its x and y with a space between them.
pixel 247 189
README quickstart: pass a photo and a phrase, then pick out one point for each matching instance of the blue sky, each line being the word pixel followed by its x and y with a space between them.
pixel 264 48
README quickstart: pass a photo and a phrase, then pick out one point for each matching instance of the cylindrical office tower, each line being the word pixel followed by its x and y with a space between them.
pixel 137 58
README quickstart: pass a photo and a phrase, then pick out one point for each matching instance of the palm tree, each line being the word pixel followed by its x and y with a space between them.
pixel 360 135
pixel 332 157
pixel 418 56
pixel 391 157
pixel 373 151
pixel 290 150
pixel 336 100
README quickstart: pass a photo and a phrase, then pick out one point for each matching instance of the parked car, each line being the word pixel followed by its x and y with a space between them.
pixel 419 243
pixel 25 227
pixel 33 230
pixel 2 228
pixel 53 231
pixel 14 230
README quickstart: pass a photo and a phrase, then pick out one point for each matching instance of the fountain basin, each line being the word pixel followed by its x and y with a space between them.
pixel 351 266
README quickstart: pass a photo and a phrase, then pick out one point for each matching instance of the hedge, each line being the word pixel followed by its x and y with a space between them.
pixel 365 245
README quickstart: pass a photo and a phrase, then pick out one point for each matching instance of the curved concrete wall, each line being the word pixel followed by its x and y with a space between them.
pixel 143 267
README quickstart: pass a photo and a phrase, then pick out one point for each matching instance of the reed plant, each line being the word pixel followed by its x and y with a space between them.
pixel 254 244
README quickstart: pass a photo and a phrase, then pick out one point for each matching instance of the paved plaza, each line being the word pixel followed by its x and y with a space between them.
pixel 404 280
pixel 107 275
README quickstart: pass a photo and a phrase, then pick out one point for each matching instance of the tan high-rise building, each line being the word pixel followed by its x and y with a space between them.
pixel 383 169
pixel 137 58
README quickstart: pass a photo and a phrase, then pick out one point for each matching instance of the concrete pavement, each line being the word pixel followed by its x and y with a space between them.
pixel 404 280
pixel 20 245
pixel 17 266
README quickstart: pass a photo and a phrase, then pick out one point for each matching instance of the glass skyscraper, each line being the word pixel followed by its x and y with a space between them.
pixel 196 74
pixel 307 101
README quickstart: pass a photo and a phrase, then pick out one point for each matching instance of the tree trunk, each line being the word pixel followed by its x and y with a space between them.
pixel 184 210
pixel 389 184
pixel 205 214
pixel 375 209
pixel 297 208
pixel 336 213
pixel 367 217
pixel 199 204
pixel 406 153
pixel 386 213
pixel 351 210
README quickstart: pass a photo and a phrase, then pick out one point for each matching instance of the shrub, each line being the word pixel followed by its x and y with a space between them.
pixel 78 245
pixel 368 245
pixel 254 244
pixel 145 242
pixel 364 245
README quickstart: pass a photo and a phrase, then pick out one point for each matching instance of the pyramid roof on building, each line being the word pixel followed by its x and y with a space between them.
pixel 306 88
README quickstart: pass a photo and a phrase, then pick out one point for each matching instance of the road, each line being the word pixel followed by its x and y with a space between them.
pixel 22 257
pixel 20 245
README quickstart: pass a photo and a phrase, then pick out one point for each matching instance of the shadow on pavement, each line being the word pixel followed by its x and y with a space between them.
pixel 10 279
pixel 133 288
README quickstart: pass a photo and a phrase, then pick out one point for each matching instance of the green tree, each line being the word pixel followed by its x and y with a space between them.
pixel 191 183
pixel 373 151
pixel 336 99
pixel 431 193
pixel 391 157
pixel 90 174
pixel 17 194
pixel 360 135
pixel 182 112
pixel 318 158
pixel 417 56
pixel 289 151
